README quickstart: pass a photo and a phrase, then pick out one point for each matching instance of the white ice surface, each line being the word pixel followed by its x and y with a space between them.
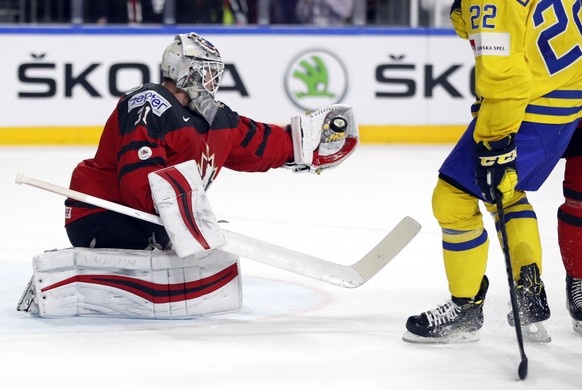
pixel 293 332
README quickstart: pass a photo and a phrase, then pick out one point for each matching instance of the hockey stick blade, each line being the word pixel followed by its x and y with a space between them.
pixel 522 370
pixel 349 276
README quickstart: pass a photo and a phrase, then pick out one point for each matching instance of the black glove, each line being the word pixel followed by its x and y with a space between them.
pixel 496 167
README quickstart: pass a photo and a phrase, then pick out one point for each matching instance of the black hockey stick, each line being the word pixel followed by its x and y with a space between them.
pixel 522 371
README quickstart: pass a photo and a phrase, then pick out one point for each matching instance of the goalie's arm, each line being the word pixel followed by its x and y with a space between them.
pixel 257 146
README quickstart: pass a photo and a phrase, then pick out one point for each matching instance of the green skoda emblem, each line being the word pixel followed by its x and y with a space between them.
pixel 314 79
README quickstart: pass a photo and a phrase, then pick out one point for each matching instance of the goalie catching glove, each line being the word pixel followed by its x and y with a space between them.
pixel 323 139
pixel 496 170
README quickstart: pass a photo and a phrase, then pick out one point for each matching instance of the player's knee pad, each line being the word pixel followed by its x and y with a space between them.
pixel 132 284
pixel 570 219
pixel 522 232
pixel 455 209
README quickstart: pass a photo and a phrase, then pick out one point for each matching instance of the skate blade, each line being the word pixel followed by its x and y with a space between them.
pixel 536 333
pixel 457 338
pixel 577 325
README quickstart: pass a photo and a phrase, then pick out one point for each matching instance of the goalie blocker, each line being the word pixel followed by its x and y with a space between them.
pixel 181 201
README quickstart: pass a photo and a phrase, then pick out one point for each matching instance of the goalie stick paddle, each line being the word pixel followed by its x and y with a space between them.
pixel 349 276
pixel 522 370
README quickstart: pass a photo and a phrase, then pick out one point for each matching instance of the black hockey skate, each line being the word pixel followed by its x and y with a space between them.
pixel 454 321
pixel 533 305
pixel 574 301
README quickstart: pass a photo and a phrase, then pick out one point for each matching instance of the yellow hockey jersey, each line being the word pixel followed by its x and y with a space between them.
pixel 528 62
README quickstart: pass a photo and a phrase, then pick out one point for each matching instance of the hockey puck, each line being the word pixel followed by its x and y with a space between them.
pixel 338 124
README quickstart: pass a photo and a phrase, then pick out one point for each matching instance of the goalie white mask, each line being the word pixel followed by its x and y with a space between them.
pixel 194 64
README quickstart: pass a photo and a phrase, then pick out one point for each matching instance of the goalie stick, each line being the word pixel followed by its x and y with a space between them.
pixel 349 276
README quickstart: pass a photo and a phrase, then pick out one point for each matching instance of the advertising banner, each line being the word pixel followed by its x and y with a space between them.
pixel 399 79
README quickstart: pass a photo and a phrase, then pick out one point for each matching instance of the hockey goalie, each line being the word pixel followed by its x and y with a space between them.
pixel 160 150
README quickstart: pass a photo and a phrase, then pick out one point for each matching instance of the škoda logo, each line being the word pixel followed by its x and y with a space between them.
pixel 315 78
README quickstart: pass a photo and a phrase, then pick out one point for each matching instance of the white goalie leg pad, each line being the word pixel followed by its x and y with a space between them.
pixel 135 284
pixel 181 201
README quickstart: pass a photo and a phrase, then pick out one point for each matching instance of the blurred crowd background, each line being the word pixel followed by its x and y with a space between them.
pixel 379 13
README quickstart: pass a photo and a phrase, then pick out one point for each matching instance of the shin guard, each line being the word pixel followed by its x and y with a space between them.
pixel 570 219
pixel 465 241
pixel 465 257
pixel 522 233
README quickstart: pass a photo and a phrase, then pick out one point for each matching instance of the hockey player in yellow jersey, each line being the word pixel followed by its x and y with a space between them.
pixel 528 79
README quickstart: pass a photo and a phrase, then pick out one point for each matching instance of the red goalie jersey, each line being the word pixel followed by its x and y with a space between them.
pixel 149 130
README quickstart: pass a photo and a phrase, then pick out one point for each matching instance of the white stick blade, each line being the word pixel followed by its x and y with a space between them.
pixel 388 248
pixel 19 178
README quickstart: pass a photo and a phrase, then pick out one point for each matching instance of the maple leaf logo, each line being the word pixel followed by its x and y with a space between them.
pixel 207 168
